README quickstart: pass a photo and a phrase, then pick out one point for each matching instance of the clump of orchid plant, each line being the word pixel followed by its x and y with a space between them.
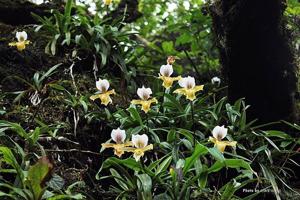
pixel 145 100
pixel 118 136
pixel 166 71
pixel 103 94
pixel 22 41
pixel 140 143
pixel 219 133
pixel 189 88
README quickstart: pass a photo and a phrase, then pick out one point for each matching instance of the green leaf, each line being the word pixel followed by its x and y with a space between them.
pixel 56 182
pixel 53 44
pixel 163 166
pixel 10 159
pixel 14 127
pixel 38 175
pixel 162 196
pixel 115 162
pixel 228 192
pixel 135 115
pixel 168 47
pixel 189 162
pixel 231 163
pixel 216 154
pixel 57 87
pixel 279 134
pixel 144 184
pixel 119 179
pixel 270 177
pixel 67 14
pixel 171 136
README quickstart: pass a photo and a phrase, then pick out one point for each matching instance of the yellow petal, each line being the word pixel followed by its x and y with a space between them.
pixel 107 145
pixel 118 152
pixel 20 45
pixel 198 88
pixel 110 92
pixel 136 102
pixel 12 44
pixel 107 2
pixel 129 149
pixel 146 104
pixel 104 97
pixel 148 147
pixel 118 148
pixel 221 145
pixel 180 91
pixel 190 94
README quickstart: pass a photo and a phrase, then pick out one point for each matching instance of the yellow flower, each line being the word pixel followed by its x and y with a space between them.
pixel 219 133
pixel 165 75
pixel 145 101
pixel 22 41
pixel 189 88
pixel 107 2
pixel 104 93
pixel 118 136
pixel 140 143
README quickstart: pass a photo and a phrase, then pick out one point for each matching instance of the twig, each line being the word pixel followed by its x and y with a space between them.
pixel 61 139
pixel 72 150
pixel 76 118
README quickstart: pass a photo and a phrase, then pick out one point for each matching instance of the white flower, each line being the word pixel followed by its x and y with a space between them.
pixel 102 85
pixel 187 82
pixel 216 80
pixel 35 98
pixel 236 184
pixel 140 141
pixel 21 36
pixel 219 132
pixel 144 93
pixel 166 70
pixel 118 135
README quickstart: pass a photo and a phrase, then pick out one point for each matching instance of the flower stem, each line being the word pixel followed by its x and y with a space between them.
pixel 107 9
pixel 193 121
pixel 147 123
pixel 161 105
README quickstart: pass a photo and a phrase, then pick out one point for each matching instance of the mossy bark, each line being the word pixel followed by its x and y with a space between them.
pixel 256 56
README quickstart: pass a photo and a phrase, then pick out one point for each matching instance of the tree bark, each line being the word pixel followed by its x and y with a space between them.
pixel 256 56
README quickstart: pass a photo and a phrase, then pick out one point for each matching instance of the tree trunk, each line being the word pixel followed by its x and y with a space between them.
pixel 256 56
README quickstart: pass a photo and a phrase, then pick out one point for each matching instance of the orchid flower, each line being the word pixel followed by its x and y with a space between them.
pixel 165 75
pixel 107 2
pixel 103 93
pixel 216 81
pixel 118 136
pixel 22 41
pixel 219 133
pixel 145 100
pixel 171 60
pixel 140 143
pixel 189 88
